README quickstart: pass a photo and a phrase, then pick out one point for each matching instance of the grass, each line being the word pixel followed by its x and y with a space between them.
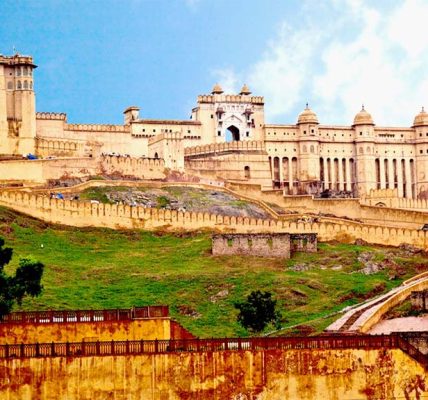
pixel 101 268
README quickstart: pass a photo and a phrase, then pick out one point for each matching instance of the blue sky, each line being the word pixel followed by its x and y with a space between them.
pixel 98 57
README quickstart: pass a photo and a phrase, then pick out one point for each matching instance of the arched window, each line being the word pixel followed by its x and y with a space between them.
pixel 247 172
pixel 18 71
pixel 24 70
pixel 304 149
pixel 31 85
pixel 368 150
pixel 361 150
pixel 26 85
pixel 18 85
pixel 156 155
pixel 312 149
pixel 10 85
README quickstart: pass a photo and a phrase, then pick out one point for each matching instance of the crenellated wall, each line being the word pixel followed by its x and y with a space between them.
pixel 43 170
pixel 77 213
pixel 140 168
pixel 339 374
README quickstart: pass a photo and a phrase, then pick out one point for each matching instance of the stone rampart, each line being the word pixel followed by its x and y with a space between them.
pixel 97 128
pixel 77 213
pixel 245 145
pixel 393 214
pixel 287 373
pixel 140 168
pixel 51 115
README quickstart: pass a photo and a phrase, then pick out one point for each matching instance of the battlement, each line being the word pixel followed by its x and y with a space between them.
pixel 17 59
pixel 167 122
pixel 230 98
pixel 51 115
pixel 78 213
pixel 165 135
pixel 97 128
pixel 245 145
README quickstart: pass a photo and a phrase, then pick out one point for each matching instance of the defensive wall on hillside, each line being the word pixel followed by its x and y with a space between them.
pixel 76 213
pixel 32 172
pixel 357 209
pixel 330 368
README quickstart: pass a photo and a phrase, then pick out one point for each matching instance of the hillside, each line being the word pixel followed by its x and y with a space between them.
pixel 102 268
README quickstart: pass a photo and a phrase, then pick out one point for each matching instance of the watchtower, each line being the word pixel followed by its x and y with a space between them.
pixel 17 105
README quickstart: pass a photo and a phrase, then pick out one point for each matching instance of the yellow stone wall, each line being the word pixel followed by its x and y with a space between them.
pixel 147 329
pixel 235 375
pixel 77 213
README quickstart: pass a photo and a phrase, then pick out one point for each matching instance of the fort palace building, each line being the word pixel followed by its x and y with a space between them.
pixel 227 137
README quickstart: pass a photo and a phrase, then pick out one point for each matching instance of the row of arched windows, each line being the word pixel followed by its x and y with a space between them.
pixel 26 85
pixel 24 71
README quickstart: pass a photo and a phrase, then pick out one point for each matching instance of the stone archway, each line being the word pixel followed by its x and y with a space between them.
pixel 232 134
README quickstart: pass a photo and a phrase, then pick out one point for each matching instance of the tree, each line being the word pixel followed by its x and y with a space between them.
pixel 25 282
pixel 258 311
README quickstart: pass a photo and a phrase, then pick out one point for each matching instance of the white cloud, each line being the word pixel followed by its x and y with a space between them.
pixel 343 54
pixel 227 79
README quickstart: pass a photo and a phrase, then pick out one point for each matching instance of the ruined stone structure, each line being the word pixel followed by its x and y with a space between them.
pixel 419 300
pixel 227 137
pixel 278 245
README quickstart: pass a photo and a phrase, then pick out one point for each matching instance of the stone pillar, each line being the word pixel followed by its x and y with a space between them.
pixel 408 175
pixel 382 173
pixel 325 166
pixel 341 177
pixel 348 175
pixel 281 173
pixel 400 179
pixel 333 175
pixel 391 174
pixel 290 174
pixel 272 168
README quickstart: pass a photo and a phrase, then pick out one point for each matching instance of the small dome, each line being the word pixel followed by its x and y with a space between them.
pixel 307 116
pixel 421 119
pixel 245 90
pixel 217 89
pixel 363 118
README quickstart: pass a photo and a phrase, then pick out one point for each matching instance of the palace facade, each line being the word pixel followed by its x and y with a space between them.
pixel 226 138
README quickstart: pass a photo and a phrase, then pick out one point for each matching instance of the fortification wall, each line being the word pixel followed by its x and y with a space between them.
pixel 39 171
pixel 346 374
pixel 139 168
pixel 77 213
pixel 247 167
pixel 147 329
pixel 360 210
pixel 244 145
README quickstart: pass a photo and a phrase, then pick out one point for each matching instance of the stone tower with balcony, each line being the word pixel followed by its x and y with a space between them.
pixel 17 105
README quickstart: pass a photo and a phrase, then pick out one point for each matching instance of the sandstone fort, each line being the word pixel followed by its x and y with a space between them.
pixel 357 184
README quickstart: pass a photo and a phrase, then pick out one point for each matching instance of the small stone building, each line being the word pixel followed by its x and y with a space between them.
pixel 280 245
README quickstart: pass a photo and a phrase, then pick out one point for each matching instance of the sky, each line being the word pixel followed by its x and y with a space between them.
pixel 97 57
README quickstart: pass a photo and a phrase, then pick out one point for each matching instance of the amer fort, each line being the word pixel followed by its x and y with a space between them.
pixel 313 184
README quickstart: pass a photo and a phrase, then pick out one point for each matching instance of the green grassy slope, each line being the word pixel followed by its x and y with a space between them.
pixel 101 268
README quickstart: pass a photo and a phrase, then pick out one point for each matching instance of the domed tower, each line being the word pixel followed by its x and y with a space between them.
pixel 420 182
pixel 17 105
pixel 365 172
pixel 309 147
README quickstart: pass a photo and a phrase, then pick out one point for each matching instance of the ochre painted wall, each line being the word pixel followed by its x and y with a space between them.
pixel 222 375
pixel 147 329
